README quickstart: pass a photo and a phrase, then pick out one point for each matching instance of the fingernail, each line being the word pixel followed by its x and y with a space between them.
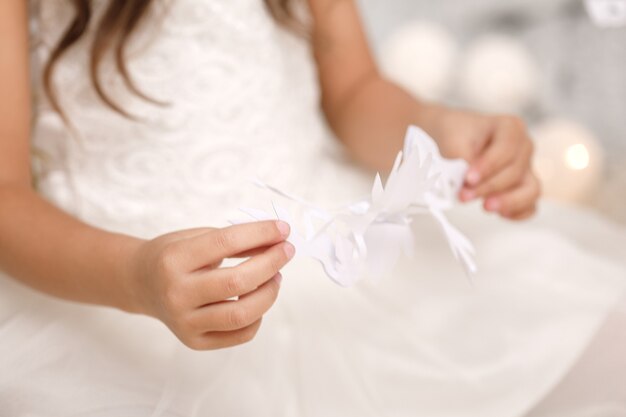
pixel 279 278
pixel 472 177
pixel 492 205
pixel 283 228
pixel 289 249
pixel 467 195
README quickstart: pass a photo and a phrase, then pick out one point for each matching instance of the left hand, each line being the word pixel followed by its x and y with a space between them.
pixel 499 152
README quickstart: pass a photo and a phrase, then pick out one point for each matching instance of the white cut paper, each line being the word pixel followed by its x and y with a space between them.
pixel 366 238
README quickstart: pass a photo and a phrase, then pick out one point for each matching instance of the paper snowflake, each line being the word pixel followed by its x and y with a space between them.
pixel 366 238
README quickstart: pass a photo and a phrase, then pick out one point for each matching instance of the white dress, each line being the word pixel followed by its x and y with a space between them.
pixel 244 102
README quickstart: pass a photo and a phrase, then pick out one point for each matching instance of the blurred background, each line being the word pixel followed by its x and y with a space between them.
pixel 561 64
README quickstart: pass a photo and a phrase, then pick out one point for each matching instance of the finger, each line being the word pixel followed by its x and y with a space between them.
pixel 189 233
pixel 213 246
pixel 516 201
pixel 220 340
pixel 224 283
pixel 503 180
pixel 251 253
pixel 525 214
pixel 501 150
pixel 233 315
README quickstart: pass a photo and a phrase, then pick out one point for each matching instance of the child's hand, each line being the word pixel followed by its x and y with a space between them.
pixel 499 151
pixel 179 281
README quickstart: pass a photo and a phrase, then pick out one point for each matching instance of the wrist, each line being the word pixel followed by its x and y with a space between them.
pixel 128 296
pixel 429 117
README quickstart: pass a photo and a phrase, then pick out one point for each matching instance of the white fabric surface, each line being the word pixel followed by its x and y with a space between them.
pixel 244 102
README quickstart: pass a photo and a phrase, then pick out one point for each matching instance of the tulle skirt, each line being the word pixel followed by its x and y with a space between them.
pixel 424 341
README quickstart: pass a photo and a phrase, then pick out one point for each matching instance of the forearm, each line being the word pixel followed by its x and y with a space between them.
pixel 372 122
pixel 367 113
pixel 50 251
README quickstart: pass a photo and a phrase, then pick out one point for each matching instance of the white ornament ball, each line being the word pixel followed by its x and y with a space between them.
pixel 420 56
pixel 607 13
pixel 499 74
pixel 568 160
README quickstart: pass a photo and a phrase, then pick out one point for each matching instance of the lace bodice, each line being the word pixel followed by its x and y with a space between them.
pixel 242 102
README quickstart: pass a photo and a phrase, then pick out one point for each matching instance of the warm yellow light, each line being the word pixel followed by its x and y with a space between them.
pixel 577 157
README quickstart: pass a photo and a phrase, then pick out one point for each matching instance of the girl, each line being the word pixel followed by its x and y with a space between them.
pixel 150 116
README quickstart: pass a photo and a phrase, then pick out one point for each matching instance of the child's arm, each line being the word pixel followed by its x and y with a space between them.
pixel 370 115
pixel 175 278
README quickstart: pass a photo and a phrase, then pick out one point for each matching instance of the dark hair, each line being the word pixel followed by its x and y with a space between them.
pixel 117 24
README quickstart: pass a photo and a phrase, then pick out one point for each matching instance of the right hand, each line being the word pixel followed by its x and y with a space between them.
pixel 178 280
